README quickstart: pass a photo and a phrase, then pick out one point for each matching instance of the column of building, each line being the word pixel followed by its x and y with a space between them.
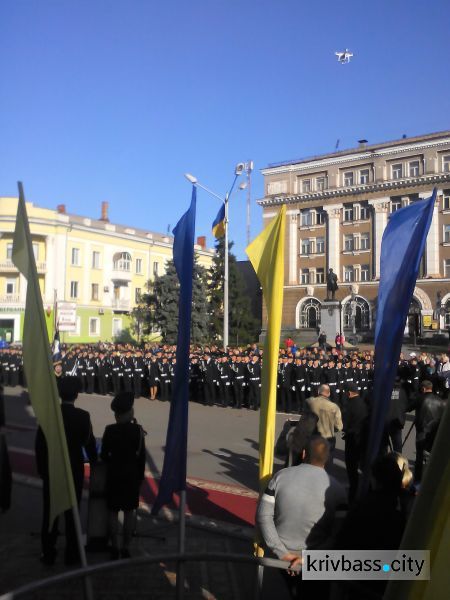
pixel 333 238
pixel 293 246
pixel 381 208
pixel 432 247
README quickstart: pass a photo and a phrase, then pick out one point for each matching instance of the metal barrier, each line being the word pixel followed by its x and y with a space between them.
pixel 114 565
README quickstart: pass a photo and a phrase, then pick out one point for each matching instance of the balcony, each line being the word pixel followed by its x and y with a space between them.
pixel 121 275
pixel 121 304
pixel 7 266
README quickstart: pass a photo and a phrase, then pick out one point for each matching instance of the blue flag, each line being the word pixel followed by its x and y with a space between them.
pixel 173 477
pixel 402 248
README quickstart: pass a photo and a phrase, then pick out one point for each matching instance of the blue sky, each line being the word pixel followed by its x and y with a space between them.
pixel 116 99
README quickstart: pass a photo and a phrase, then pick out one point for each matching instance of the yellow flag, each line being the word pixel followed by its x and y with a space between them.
pixel 39 370
pixel 428 526
pixel 266 253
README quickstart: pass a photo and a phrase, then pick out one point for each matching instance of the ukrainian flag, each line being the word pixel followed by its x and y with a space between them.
pixel 218 226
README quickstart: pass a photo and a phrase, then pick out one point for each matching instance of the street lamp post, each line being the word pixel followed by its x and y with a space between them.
pixel 237 172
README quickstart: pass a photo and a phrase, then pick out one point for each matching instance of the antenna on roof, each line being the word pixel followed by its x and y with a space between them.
pixel 337 144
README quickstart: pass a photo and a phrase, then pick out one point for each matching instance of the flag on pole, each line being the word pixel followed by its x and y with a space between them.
pixel 39 370
pixel 218 226
pixel 173 477
pixel 428 526
pixel 402 248
pixel 266 253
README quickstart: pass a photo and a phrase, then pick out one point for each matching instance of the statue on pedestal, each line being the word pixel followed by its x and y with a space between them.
pixel 332 285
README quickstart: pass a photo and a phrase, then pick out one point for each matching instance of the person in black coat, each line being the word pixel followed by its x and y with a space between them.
pixel 123 451
pixel 356 429
pixel 78 429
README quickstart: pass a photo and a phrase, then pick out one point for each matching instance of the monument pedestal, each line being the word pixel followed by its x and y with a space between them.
pixel 330 319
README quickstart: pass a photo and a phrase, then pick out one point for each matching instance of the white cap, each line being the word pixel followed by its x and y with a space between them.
pixel 413 355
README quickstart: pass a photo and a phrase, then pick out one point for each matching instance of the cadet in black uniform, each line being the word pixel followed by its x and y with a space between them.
pixel 138 373
pixel 254 383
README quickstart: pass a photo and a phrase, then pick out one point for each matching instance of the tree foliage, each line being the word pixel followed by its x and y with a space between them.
pixel 158 308
pixel 243 327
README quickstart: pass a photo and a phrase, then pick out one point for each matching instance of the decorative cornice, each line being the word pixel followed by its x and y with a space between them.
pixel 396 184
pixel 320 161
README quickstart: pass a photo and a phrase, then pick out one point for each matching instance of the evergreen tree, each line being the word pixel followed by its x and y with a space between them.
pixel 200 317
pixel 166 291
pixel 243 327
pixel 143 314
pixel 158 309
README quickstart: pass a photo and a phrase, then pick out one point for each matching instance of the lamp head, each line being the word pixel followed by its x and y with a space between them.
pixel 243 185
pixel 240 167
pixel 191 178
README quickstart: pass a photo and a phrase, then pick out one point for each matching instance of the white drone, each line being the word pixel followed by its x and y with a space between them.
pixel 344 57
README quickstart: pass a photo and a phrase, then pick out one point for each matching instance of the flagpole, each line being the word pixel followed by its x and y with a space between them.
pixel 33 281
pixel 225 276
pixel 181 545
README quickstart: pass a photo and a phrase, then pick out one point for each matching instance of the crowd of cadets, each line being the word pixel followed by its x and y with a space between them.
pixel 227 379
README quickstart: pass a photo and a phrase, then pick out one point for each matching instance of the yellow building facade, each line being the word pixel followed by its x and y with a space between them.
pixel 100 267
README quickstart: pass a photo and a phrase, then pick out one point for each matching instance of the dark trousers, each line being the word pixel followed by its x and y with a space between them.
pixel 137 381
pixel 285 399
pixel 254 395
pixel 418 465
pixel 128 382
pixel 224 394
pixel 50 535
pixel 209 389
pixel 238 394
pixel 300 398
pixel 116 382
pixel 102 384
pixel 90 381
pixel 395 435
pixel 353 457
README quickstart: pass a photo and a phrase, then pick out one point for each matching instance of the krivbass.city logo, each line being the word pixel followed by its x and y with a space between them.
pixel 365 564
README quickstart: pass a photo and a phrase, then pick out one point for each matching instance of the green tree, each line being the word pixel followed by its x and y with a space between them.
pixel 158 308
pixel 243 327
pixel 143 314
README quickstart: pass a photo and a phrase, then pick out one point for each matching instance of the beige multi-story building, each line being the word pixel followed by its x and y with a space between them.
pixel 96 268
pixel 338 206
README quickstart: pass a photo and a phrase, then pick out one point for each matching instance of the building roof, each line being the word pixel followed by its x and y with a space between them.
pixel 362 148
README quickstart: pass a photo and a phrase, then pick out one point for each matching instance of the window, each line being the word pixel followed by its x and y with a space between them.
pixel 446 233
pixel 414 168
pixel 320 217
pixel 446 163
pixel 306 186
pixel 349 274
pixel 36 251
pixel 137 295
pixel 321 183
pixel 365 273
pixel 364 176
pixel 74 289
pixel 306 218
pixel 155 269
pixel 306 247
pixel 139 266
pixel 348 242
pixel 122 261
pixel 116 327
pixel 10 287
pixel 395 205
pixel 94 326
pixel 320 276
pixel 348 178
pixel 304 276
pixel 9 248
pixel 96 260
pixel 75 257
pixel 365 241
pixel 310 314
pixel 446 201
pixel 348 213
pixel 320 245
pixel 447 267
pixel 397 171
pixel 94 291
pixel 365 212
